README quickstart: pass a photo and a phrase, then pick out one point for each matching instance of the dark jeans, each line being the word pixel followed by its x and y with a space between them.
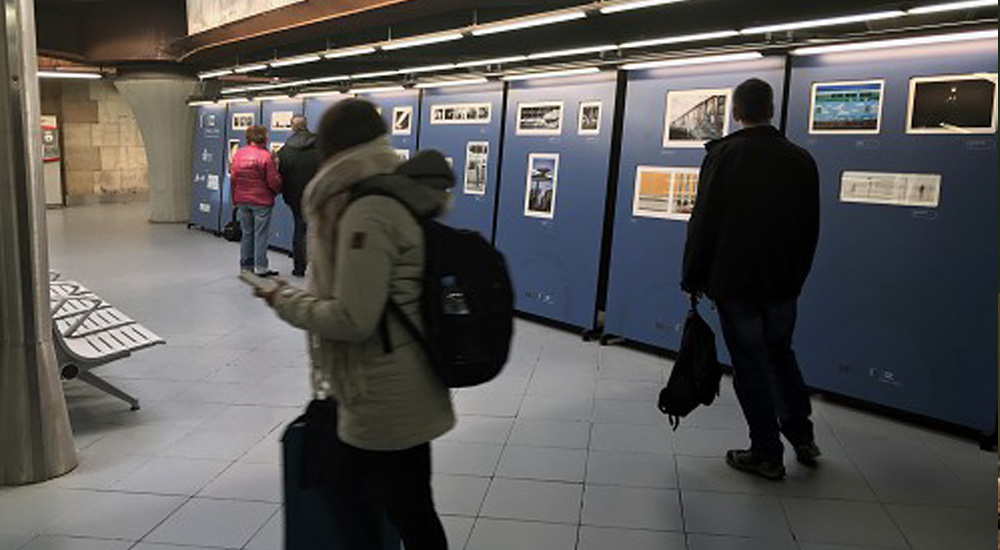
pixel 299 246
pixel 767 378
pixel 400 484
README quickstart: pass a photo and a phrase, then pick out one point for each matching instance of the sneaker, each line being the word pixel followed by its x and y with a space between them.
pixel 268 274
pixel 746 462
pixel 807 454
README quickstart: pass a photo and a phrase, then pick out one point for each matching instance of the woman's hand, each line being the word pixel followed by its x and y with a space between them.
pixel 269 294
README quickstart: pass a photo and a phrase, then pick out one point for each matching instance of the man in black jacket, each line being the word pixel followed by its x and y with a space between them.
pixel 298 163
pixel 751 243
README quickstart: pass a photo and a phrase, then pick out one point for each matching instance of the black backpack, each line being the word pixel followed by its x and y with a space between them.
pixel 697 374
pixel 467 303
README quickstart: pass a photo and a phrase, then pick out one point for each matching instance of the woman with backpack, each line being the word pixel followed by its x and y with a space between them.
pixel 254 182
pixel 366 248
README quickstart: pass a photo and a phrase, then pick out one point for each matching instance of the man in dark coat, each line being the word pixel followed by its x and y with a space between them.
pixel 298 163
pixel 751 243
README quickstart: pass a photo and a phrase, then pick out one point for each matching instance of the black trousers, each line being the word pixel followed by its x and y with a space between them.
pixel 398 483
pixel 299 259
pixel 767 378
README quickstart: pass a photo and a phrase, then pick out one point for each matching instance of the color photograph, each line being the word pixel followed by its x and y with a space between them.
pixel 234 145
pixel 665 193
pixel 477 154
pixel 466 113
pixel 695 117
pixel 543 179
pixel 590 119
pixel 540 119
pixel 847 107
pixel 276 146
pixel 964 104
pixel 243 121
pixel 282 120
pixel 402 121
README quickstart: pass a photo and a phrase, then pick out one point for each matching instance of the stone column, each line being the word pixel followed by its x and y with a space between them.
pixel 36 443
pixel 159 103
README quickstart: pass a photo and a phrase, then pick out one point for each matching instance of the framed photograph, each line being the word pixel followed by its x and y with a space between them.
pixel 590 119
pixel 889 189
pixel 543 180
pixel 402 121
pixel 695 117
pixel 403 154
pixel 243 121
pixel 540 119
pixel 665 193
pixel 477 157
pixel 464 113
pixel 847 107
pixel 276 146
pixel 281 121
pixel 963 104
pixel 234 145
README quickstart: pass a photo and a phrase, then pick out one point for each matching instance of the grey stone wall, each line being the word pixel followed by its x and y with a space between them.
pixel 208 14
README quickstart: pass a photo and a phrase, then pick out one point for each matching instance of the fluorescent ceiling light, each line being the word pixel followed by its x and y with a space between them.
pixel 238 90
pixel 421 41
pixel 214 74
pixel 69 75
pixel 527 23
pixel 452 83
pixel 301 60
pixel 897 43
pixel 679 39
pixel 327 93
pixel 952 6
pixel 244 69
pixel 828 22
pixel 494 61
pixel 427 69
pixel 551 74
pixel 279 97
pixel 200 103
pixel 349 52
pixel 377 90
pixel 572 52
pixel 635 5
pixel 683 62
pixel 378 74
pixel 325 79
pixel 232 100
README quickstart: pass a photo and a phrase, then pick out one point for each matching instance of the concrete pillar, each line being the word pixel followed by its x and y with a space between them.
pixel 36 443
pixel 159 103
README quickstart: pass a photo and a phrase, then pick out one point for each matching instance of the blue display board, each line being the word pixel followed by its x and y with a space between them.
pixel 899 308
pixel 208 170
pixel 277 118
pixel 316 107
pixel 236 135
pixel 397 104
pixel 457 122
pixel 645 303
pixel 552 236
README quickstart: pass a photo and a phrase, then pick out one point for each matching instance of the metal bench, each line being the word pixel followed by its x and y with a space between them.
pixel 89 333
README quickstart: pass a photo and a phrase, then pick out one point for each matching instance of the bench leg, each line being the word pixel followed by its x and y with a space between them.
pixel 108 388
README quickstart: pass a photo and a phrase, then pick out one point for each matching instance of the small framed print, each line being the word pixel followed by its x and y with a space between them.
pixel 540 119
pixel 403 154
pixel 961 104
pixel 590 119
pixel 281 121
pixel 402 121
pixel 243 121
pixel 464 113
pixel 542 184
pixel 665 193
pixel 847 108
pixel 695 117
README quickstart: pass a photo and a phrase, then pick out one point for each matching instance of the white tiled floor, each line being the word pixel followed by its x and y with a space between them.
pixel 564 452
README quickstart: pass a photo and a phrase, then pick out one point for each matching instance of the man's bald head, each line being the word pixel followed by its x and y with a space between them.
pixel 300 124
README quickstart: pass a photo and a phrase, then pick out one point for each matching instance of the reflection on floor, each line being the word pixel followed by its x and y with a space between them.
pixel 566 451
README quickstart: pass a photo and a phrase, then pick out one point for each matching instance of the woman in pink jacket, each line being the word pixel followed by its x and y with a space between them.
pixel 255 183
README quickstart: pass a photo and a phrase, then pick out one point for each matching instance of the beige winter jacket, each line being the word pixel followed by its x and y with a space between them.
pixel 361 256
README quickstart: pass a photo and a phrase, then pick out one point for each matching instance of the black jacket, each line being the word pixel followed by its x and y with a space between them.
pixel 755 226
pixel 298 163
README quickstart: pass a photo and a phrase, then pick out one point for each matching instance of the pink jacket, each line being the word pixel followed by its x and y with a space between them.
pixel 254 177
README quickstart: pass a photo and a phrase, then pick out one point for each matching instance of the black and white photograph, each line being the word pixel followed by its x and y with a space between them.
pixel 243 121
pixel 695 117
pixel 281 121
pixel 540 119
pixel 234 145
pixel 402 121
pixel 590 119
pixel 403 154
pixel 961 104
pixel 463 113
pixel 889 189
pixel 543 180
pixel 477 154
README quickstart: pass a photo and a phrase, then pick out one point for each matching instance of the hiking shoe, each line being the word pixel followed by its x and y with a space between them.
pixel 807 454
pixel 746 462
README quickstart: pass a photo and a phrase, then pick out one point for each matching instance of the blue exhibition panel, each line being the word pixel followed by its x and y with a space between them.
pixel 645 303
pixel 899 308
pixel 316 107
pixel 552 235
pixel 394 107
pixel 240 115
pixel 208 167
pixel 277 118
pixel 455 121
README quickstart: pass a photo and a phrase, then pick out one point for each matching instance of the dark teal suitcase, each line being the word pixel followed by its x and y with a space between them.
pixel 311 515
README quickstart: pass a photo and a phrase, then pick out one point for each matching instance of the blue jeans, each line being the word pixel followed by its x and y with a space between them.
pixel 256 224
pixel 767 378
